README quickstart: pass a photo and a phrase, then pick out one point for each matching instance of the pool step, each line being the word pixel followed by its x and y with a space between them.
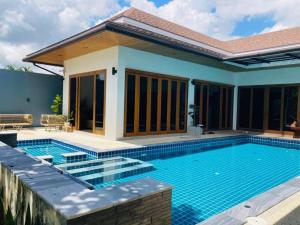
pixel 103 167
pixel 48 158
pixel 74 156
pixel 115 174
pixel 83 164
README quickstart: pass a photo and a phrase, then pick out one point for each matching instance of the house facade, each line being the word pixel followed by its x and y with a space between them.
pixel 137 74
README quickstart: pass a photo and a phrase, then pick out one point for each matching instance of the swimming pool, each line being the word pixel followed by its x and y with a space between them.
pixel 50 147
pixel 208 179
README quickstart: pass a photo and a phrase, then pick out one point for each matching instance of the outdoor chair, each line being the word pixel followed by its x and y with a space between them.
pixel 16 121
pixel 53 121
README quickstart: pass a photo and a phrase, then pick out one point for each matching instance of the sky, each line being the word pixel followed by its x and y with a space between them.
pixel 28 25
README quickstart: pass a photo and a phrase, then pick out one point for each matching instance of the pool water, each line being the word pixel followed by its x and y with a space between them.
pixel 207 183
pixel 54 149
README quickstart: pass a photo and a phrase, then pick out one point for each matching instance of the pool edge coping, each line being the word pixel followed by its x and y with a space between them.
pixel 237 214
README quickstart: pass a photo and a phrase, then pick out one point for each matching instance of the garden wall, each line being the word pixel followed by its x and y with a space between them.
pixel 28 93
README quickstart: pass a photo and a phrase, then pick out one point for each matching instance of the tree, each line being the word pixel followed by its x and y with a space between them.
pixel 13 67
pixel 56 107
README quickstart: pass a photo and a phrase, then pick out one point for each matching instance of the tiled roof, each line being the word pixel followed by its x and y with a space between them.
pixel 267 40
pixel 171 27
pixel 258 42
pixel 139 24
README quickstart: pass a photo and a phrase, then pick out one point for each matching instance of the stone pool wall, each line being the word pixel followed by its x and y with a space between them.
pixel 33 193
pixel 18 203
pixel 154 209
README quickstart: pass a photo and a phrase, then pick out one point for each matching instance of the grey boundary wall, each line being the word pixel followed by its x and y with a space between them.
pixel 36 193
pixel 28 93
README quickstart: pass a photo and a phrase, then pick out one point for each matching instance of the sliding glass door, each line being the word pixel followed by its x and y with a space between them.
pixel 87 101
pixel 99 103
pixel 213 105
pixel 154 104
pixel 268 108
pixel 251 108
pixel 275 103
pixel 73 100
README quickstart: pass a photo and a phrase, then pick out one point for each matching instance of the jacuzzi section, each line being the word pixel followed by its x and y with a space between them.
pixel 46 196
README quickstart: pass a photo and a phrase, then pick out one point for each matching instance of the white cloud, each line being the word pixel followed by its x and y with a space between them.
pixel 27 25
pixel 13 53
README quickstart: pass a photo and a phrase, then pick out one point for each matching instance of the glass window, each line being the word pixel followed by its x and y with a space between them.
pixel 197 97
pixel 258 108
pixel 229 107
pixel 244 107
pixel 99 114
pixel 164 105
pixel 204 105
pixel 143 104
pixel 274 108
pixel 154 95
pixel 214 107
pixel 173 105
pixel 290 106
pixel 73 96
pixel 182 106
pixel 86 102
pixel 130 103
pixel 224 102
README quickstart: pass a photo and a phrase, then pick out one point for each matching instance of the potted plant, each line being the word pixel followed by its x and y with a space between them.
pixel 195 110
pixel 195 128
pixel 68 125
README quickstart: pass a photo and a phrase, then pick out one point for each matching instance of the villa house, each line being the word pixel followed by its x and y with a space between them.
pixel 138 74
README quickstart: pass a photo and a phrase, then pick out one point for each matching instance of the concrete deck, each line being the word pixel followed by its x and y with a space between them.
pixel 101 143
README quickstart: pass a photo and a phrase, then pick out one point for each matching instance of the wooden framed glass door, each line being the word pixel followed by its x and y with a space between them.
pixel 270 108
pixel 213 103
pixel 87 101
pixel 154 104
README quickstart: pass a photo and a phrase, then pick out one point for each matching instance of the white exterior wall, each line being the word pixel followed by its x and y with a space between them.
pixel 100 60
pixel 288 75
pixel 124 57
pixel 145 61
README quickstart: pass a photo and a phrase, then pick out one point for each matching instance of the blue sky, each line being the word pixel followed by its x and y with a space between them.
pixel 253 25
pixel 26 26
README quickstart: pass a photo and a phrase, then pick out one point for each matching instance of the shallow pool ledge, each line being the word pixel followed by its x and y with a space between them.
pixel 34 191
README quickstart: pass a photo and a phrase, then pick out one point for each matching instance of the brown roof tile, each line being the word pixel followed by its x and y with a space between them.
pixel 267 40
pixel 171 27
pixel 258 42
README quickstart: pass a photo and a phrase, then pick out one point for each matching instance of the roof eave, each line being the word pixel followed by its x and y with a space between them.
pixel 99 28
